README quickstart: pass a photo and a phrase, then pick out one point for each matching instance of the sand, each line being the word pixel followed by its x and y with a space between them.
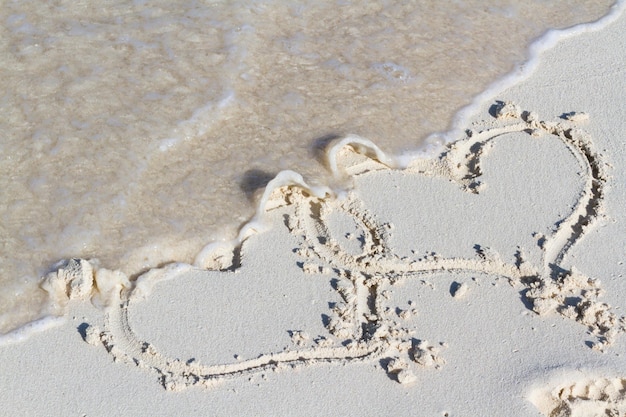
pixel 486 280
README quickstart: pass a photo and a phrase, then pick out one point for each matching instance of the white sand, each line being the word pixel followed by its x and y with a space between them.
pixel 488 281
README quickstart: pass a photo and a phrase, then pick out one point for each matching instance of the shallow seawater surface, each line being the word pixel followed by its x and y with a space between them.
pixel 137 132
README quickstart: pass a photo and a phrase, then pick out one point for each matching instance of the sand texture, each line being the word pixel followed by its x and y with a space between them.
pixel 484 280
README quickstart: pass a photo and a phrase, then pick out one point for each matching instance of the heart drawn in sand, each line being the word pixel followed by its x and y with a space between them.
pixel 348 239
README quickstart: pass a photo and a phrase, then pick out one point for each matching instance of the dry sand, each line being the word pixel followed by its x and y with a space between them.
pixel 487 280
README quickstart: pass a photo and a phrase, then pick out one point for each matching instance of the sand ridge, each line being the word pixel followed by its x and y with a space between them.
pixel 341 239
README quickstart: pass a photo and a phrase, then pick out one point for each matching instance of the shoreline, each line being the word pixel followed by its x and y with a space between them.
pixel 473 343
pixel 211 256
pixel 179 198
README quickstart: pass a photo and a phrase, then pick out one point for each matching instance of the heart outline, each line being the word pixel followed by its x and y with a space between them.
pixel 369 337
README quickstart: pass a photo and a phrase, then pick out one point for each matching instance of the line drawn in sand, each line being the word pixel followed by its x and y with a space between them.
pixel 359 327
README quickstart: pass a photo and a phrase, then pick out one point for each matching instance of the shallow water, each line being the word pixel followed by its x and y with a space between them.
pixel 137 133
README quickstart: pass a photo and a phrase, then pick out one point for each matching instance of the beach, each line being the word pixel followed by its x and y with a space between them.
pixel 482 276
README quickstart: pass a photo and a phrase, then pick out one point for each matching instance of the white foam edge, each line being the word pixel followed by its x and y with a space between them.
pixel 258 223
pixel 362 146
pixel 27 330
pixel 434 143
pixel 288 178
pixel 144 284
pixel 524 70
